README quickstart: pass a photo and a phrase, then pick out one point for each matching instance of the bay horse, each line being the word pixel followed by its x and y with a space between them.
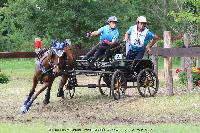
pixel 56 61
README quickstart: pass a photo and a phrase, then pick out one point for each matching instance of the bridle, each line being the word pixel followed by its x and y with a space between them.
pixel 52 62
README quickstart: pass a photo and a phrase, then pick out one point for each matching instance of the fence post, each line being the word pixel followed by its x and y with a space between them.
pixel 155 61
pixel 168 64
pixel 188 65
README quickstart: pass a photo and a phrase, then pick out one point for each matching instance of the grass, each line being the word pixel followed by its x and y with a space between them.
pixel 157 128
pixel 176 63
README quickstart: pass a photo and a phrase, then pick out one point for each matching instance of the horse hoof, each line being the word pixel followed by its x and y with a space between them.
pixel 23 109
pixel 45 102
pixel 60 94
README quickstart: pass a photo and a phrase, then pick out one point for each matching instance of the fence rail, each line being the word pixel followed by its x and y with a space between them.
pixel 17 54
pixel 176 52
pixel 165 52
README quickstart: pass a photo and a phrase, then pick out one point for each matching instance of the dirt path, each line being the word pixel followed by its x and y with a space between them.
pixel 87 107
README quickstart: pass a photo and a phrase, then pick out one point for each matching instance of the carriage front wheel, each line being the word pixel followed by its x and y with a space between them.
pixel 104 85
pixel 147 83
pixel 118 85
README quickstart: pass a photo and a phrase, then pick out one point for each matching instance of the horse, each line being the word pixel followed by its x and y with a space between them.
pixel 53 62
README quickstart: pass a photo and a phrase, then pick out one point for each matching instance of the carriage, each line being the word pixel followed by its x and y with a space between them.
pixel 116 74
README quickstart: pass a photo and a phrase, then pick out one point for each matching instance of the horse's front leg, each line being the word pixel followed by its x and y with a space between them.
pixel 61 84
pixel 29 103
pixel 32 91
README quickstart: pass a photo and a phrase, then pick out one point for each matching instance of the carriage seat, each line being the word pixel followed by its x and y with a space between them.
pixel 110 54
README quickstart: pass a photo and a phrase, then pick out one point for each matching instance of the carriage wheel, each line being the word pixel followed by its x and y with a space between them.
pixel 102 89
pixel 147 83
pixel 118 84
pixel 70 91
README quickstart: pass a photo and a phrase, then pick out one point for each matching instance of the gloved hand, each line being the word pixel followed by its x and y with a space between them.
pixel 106 42
pixel 149 50
pixel 88 34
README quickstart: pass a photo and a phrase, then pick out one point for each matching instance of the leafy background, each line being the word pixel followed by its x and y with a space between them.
pixel 23 20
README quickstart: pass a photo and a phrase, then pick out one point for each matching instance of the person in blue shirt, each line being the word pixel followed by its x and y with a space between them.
pixel 139 37
pixel 109 35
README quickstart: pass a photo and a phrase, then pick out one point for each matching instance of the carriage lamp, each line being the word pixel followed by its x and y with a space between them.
pixel 38 45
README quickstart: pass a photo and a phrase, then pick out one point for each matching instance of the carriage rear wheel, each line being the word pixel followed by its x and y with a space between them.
pixel 147 83
pixel 104 88
pixel 118 85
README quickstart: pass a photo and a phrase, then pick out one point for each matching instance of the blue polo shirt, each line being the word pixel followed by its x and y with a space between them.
pixel 139 40
pixel 107 33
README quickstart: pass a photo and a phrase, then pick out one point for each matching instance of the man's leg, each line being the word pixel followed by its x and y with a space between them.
pixel 131 55
pixel 108 52
pixel 100 51
pixel 91 52
pixel 139 55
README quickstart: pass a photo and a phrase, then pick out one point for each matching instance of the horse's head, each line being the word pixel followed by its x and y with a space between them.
pixel 62 56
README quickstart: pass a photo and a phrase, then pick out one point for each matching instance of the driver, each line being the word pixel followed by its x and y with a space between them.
pixel 109 35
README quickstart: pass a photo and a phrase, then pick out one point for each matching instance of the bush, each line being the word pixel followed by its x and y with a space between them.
pixel 195 74
pixel 3 78
pixel 160 44
pixel 178 43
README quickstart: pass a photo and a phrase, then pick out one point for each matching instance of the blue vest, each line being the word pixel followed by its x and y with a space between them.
pixel 106 33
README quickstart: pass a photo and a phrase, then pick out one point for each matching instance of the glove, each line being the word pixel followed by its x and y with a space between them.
pixel 106 42
pixel 88 34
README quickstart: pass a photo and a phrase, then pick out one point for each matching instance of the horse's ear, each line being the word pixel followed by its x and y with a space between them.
pixel 67 42
pixel 52 54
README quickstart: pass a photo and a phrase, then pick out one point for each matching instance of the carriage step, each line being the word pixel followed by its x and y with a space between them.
pixel 92 85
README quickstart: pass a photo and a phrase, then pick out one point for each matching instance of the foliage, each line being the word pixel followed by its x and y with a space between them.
pixel 160 44
pixel 178 43
pixel 189 17
pixel 3 78
pixel 23 20
pixel 183 76
pixel 26 19
pixel 190 12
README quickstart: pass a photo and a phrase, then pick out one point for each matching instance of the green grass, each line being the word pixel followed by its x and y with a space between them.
pixel 20 128
pixel 176 63
pixel 156 128
pixel 8 64
pixel 17 67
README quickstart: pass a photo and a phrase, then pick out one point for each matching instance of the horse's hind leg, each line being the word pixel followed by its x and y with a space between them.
pixel 62 83
pixel 47 95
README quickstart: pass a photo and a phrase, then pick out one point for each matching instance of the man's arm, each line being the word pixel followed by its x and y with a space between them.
pixel 154 40
pixel 95 33
pixel 125 37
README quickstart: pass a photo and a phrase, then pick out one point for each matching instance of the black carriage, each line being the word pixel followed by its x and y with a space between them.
pixel 115 73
